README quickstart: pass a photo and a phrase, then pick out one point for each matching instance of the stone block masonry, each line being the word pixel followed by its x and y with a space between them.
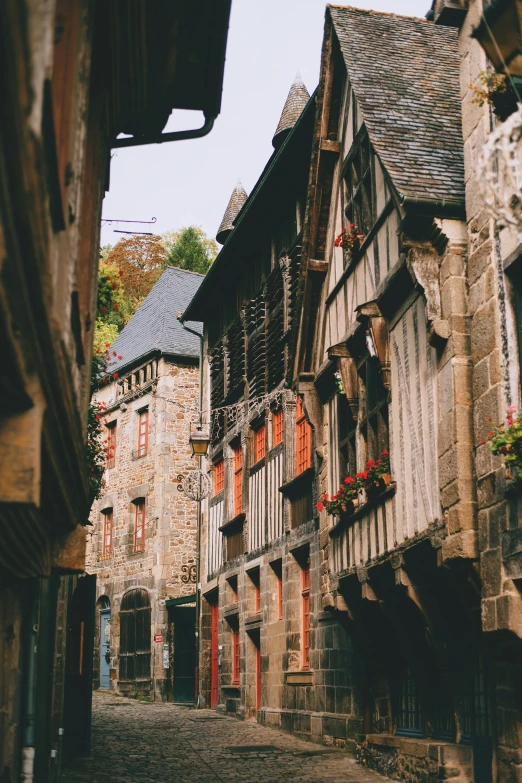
pixel 164 565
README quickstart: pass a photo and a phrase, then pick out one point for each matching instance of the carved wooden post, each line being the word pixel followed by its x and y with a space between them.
pixel 377 337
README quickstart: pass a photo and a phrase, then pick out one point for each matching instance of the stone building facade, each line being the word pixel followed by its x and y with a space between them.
pixel 407 343
pixel 142 547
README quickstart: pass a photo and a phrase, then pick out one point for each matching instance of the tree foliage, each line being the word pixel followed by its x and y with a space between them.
pixel 140 260
pixel 190 248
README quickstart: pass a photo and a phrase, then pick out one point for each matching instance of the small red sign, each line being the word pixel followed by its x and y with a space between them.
pixel 158 637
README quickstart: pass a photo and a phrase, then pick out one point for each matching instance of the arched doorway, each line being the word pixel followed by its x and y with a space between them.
pixel 104 606
pixel 135 644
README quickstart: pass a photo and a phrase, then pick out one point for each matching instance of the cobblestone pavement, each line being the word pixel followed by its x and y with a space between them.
pixel 137 742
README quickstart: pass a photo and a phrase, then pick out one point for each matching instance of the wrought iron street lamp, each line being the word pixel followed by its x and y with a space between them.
pixel 199 440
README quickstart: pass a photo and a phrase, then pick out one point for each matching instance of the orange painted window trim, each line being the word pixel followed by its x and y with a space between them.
pixel 219 477
pixel 236 668
pixel 107 533
pixel 143 432
pixel 111 444
pixel 139 529
pixel 305 598
pixel 260 443
pixel 238 480
pixel 278 428
pixel 304 439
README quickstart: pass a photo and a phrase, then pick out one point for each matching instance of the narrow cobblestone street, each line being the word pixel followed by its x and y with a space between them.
pixel 137 742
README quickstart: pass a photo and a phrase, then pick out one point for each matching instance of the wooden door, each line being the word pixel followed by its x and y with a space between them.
pixel 258 678
pixel 214 657
pixel 135 642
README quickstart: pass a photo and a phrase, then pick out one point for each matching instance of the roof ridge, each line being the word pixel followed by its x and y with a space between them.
pixel 180 269
pixel 371 12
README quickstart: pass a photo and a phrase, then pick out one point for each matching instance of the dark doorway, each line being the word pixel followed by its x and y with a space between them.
pixel 105 643
pixel 214 656
pixel 184 653
pixel 135 642
pixel 78 678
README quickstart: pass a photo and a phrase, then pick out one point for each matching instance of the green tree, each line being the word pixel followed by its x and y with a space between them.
pixel 190 248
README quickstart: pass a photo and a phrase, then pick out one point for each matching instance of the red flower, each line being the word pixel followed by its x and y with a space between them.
pixel 115 375
pixel 114 285
pixel 107 278
pixel 363 475
pixel 120 272
pixel 107 345
pixel 114 353
pixel 385 454
pixel 490 434
pixel 116 307
pixel 481 443
pixel 349 480
pixel 120 358
pixel 370 464
pixel 320 507
pixel 344 230
pixel 104 309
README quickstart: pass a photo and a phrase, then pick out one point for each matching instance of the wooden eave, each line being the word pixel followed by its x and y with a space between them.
pixel 161 56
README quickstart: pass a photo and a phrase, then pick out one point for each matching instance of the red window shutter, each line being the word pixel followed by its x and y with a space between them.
pixel 238 480
pixel 304 439
pixel 277 428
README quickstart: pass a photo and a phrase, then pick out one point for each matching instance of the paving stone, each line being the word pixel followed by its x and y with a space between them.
pixel 163 743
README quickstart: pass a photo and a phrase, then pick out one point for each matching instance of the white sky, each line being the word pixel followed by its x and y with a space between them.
pixel 190 182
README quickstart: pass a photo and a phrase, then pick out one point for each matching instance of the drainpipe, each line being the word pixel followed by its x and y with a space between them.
pixel 138 141
pixel 198 523
pixel 29 716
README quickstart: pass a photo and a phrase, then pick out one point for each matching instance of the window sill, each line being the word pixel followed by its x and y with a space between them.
pixel 254 620
pixel 294 486
pixel 361 511
pixel 136 455
pixel 305 677
pixel 233 686
pixel 233 524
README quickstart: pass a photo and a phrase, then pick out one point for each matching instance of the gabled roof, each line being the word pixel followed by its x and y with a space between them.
pixel 236 201
pixel 154 326
pixel 297 99
pixel 405 74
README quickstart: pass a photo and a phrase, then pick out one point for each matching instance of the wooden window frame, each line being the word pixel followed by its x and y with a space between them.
pixel 139 525
pixel 305 620
pixel 409 712
pixel 107 526
pixel 143 432
pixel 238 479
pixel 278 427
pixel 358 182
pixel 260 443
pixel 236 656
pixel 112 428
pixel 303 439
pixel 374 422
pixel 219 476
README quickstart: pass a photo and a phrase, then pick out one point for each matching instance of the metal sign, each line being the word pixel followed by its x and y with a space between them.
pixel 195 485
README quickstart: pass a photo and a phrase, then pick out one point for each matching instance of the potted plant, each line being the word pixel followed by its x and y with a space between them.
pixel 506 440
pixel 344 502
pixel 495 89
pixel 350 238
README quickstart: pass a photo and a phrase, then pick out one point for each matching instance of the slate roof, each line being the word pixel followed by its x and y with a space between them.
pixel 405 74
pixel 154 326
pixel 297 99
pixel 236 201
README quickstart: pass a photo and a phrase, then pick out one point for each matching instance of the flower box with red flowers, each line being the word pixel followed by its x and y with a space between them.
pixel 506 441
pixel 350 238
pixel 368 484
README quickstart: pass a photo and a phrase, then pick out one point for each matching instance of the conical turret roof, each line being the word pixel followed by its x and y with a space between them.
pixel 297 99
pixel 237 199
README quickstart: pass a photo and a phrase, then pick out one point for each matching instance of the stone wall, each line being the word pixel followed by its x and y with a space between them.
pixel 166 567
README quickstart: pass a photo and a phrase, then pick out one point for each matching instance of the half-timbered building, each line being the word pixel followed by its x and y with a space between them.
pixel 262 651
pixel 383 363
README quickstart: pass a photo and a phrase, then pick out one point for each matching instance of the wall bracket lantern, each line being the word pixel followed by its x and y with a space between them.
pixel 199 440
pixel 377 337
